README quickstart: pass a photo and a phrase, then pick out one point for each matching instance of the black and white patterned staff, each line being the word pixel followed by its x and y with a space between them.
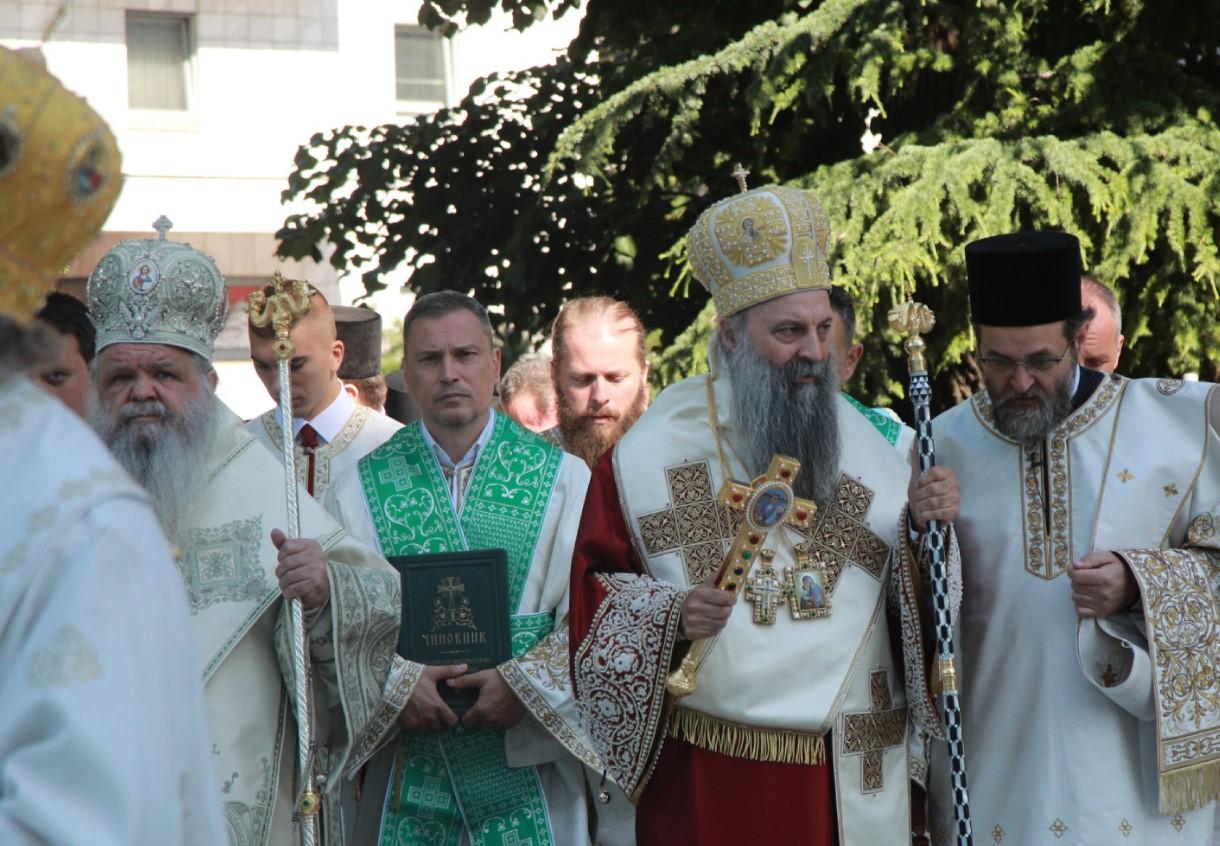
pixel 912 320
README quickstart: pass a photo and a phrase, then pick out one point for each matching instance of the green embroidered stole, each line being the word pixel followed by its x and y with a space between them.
pixel 889 428
pixel 442 778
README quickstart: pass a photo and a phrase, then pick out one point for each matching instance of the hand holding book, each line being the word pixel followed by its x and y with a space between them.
pixel 497 706
pixel 426 711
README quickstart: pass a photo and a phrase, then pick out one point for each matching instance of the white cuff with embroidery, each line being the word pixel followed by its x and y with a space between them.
pixel 1114 657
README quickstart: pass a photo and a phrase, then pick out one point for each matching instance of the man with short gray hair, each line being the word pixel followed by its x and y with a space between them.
pixel 1101 339
pixel 466 477
pixel 527 394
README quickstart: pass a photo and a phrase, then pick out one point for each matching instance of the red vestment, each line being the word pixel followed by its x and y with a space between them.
pixel 694 797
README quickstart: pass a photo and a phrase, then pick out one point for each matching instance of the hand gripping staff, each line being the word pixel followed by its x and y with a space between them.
pixel 913 319
pixel 289 299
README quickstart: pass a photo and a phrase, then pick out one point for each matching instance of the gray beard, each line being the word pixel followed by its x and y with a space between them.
pixel 776 414
pixel 169 459
pixel 1036 422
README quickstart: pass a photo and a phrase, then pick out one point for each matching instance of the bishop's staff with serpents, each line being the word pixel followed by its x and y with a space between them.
pixel 290 300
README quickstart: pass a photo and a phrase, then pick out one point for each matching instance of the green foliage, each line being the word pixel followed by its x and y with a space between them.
pixel 448 16
pixel 1097 117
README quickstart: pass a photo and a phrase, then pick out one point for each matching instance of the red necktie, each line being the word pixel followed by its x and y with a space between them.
pixel 308 437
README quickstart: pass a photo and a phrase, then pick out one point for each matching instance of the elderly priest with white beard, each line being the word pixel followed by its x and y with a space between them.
pixel 796 731
pixel 158 306
pixel 1089 636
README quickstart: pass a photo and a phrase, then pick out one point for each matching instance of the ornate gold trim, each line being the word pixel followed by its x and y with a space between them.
pixel 550 719
pixel 1182 638
pixel 323 453
pixel 738 740
pixel 1047 553
pixel 399 684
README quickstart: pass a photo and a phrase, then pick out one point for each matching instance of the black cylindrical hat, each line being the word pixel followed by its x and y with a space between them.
pixel 360 331
pixel 398 403
pixel 1024 279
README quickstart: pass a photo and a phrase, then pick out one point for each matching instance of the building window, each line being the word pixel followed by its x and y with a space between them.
pixel 158 61
pixel 419 58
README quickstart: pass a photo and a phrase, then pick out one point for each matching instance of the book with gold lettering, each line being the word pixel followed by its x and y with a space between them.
pixel 455 611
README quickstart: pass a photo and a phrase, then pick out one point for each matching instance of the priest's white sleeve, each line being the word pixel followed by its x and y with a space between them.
pixel 102 733
pixel 1113 655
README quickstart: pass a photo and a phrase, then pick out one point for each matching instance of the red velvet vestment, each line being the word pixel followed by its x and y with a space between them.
pixel 694 797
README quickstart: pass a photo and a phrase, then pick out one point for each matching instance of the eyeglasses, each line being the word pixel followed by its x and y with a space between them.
pixel 1003 366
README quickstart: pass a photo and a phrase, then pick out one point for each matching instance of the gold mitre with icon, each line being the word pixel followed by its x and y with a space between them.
pixel 158 291
pixel 760 244
pixel 59 178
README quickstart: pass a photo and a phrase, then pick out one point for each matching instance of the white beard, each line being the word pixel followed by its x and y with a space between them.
pixel 168 458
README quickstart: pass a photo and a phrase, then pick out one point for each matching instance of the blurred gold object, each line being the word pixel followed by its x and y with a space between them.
pixel 913 319
pixel 944 676
pixel 310 803
pixel 278 305
pixel 60 174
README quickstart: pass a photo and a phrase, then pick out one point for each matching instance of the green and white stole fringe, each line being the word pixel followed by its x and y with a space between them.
pixel 441 779
pixel 889 428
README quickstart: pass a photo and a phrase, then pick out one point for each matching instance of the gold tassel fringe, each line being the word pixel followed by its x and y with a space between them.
pixel 1190 788
pixel 742 741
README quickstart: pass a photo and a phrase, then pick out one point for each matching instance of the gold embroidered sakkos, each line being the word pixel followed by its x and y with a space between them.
pixel 693 523
pixel 870 733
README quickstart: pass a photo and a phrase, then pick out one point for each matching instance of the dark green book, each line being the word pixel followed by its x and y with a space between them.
pixel 455 611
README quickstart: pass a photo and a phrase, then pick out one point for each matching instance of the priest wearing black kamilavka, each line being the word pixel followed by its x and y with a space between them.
pixel 1088 636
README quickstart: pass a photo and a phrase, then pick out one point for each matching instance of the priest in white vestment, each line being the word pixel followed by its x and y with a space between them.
pixel 331 430
pixel 1088 635
pixel 467 477
pixel 103 738
pixel 158 306
pixel 797 729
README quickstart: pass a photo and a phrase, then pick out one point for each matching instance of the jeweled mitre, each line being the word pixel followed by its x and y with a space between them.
pixel 157 291
pixel 59 178
pixel 759 245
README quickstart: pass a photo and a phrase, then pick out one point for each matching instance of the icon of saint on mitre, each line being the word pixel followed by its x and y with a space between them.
pixel 144 276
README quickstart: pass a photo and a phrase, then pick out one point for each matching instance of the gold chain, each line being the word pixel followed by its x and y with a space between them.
pixel 713 419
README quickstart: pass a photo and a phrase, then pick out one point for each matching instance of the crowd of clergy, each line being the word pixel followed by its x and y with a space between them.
pixel 724 599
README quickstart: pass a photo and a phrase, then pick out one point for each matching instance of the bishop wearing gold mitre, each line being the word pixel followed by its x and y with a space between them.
pixel 790 723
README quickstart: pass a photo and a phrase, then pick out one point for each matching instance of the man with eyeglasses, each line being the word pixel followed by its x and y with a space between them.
pixel 1089 635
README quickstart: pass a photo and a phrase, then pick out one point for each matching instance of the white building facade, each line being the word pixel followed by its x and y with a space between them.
pixel 210 100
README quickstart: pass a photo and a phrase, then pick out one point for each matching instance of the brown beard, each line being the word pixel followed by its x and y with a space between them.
pixel 588 441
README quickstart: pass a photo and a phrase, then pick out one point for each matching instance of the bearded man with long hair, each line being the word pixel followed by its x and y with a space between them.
pixel 220 498
pixel 780 688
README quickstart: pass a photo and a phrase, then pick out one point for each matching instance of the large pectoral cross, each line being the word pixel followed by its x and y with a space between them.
pixel 765 504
